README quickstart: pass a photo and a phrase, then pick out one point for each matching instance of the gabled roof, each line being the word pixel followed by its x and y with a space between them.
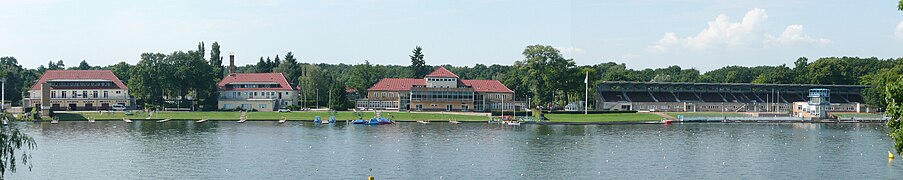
pixel 396 84
pixel 487 86
pixel 106 75
pixel 443 73
pixel 405 84
pixel 237 78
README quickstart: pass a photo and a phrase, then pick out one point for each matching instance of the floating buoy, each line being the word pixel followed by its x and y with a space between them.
pixel 890 155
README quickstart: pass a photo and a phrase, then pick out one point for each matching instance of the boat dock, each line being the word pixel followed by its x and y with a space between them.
pixel 163 121
pixel 201 121
pixel 243 117
pixel 91 120
pixel 282 121
pixel 127 120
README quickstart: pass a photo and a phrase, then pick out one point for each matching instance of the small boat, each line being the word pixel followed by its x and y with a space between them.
pixel 454 122
pixel 331 119
pixel 359 121
pixel 512 123
pixel 668 121
pixel 423 122
pixel 383 120
pixel 373 121
pixel 890 155
pixel 317 120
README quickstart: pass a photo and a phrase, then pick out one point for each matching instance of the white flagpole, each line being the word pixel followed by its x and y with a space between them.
pixel 586 90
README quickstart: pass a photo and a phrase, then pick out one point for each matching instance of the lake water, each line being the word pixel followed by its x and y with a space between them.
pixel 296 150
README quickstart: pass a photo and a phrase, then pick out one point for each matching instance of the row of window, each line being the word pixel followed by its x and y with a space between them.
pixel 254 94
pixel 81 84
pixel 83 94
pixel 442 79
pixel 253 86
pixel 244 106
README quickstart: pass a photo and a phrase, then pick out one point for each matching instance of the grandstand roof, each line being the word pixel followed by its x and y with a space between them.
pixel 728 87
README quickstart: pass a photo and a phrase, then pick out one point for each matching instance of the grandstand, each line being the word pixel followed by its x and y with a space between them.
pixel 718 97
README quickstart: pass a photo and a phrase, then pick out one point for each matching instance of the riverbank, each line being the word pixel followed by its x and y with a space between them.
pixel 347 115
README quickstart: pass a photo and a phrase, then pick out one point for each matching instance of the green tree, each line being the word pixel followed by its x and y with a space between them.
pixel 418 65
pixel 894 100
pixel 800 70
pixel 83 65
pixel 363 76
pixel 830 71
pixel 290 68
pixel 150 77
pixel 315 85
pixel 338 99
pixel 14 143
pixel 216 60
pixel 121 70
pixel 548 74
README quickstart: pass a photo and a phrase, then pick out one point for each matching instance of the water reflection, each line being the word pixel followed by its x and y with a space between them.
pixel 296 150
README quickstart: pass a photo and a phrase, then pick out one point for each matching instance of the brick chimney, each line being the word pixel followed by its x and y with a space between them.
pixel 231 64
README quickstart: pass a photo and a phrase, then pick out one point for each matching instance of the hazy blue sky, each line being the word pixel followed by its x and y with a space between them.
pixel 702 34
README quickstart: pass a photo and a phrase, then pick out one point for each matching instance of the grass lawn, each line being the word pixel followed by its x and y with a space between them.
pixel 397 116
pixel 707 114
pixel 858 115
pixel 612 117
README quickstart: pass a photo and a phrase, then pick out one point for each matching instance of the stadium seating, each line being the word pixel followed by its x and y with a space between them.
pixel 664 96
pixel 711 97
pixel 640 97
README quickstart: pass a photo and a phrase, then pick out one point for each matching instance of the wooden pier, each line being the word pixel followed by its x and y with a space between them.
pixel 163 121
pixel 242 118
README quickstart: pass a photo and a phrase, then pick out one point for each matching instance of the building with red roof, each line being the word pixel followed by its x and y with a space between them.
pixel 255 91
pixel 440 90
pixel 75 90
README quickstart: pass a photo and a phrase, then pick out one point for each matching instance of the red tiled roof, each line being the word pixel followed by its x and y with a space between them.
pixel 396 84
pixel 256 78
pixel 79 74
pixel 487 86
pixel 405 84
pixel 442 72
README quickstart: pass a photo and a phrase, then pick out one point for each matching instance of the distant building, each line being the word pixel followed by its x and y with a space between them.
pixel 255 91
pixel 817 106
pixel 723 97
pixel 78 90
pixel 440 90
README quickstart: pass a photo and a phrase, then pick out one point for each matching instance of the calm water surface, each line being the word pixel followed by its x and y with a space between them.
pixel 295 150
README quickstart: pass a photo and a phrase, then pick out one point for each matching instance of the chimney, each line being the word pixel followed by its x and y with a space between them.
pixel 231 63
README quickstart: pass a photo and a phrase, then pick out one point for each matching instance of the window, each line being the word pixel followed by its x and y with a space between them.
pixel 263 106
pixel 53 94
pixel 106 94
pixel 118 92
pixel 227 106
pixel 95 94
pixel 74 94
pixel 84 94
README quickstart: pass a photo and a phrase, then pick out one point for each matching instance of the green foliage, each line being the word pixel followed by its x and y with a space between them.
pixel 418 65
pixel 290 68
pixel 900 5
pixel 83 66
pixel 216 60
pixel 18 79
pixel 547 76
pixel 14 146
pixel 338 99
pixel 894 100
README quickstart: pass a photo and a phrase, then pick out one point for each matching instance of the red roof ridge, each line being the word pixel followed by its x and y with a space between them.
pixel 442 72
pixel 257 77
pixel 78 74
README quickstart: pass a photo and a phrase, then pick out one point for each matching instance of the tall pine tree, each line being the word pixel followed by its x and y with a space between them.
pixel 418 65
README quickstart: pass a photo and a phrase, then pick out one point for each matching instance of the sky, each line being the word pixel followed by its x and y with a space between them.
pixel 701 34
